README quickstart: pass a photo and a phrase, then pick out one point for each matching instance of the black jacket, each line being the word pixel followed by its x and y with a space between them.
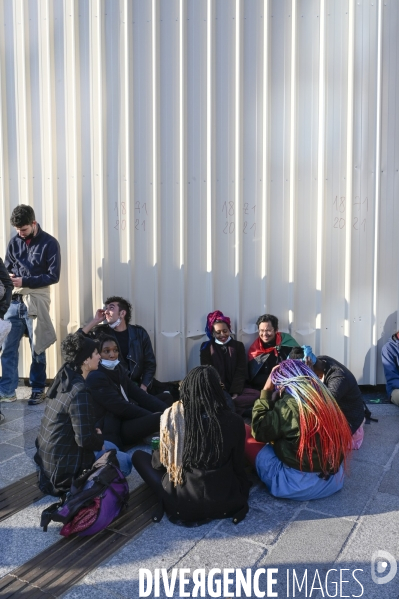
pixel 141 362
pixel 39 263
pixel 67 437
pixel 213 493
pixel 105 386
pixel 230 360
pixel 6 299
pixel 344 388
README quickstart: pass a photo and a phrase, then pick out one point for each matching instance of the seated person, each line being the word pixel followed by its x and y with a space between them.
pixel 68 439
pixel 229 358
pixel 198 472
pixel 269 349
pixel 124 412
pixel 390 362
pixel 341 384
pixel 310 436
pixel 134 343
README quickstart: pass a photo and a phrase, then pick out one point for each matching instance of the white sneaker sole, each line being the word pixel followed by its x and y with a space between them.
pixel 8 399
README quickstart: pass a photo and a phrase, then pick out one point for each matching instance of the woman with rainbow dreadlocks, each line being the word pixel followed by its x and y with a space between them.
pixel 198 472
pixel 307 437
pixel 229 358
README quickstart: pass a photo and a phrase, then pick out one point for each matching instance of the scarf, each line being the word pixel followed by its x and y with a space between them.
pixel 171 442
pixel 257 348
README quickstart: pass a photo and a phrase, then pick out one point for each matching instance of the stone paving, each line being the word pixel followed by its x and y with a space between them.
pixel 322 548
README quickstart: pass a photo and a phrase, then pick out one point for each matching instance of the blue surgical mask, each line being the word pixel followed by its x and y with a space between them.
pixel 221 342
pixel 115 324
pixel 111 364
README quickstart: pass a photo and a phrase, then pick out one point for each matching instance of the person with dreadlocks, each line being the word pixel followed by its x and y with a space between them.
pixel 228 356
pixel 198 472
pixel 305 439
pixel 342 385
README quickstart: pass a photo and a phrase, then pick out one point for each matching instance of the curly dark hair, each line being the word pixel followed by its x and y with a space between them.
pixel 76 348
pixel 268 318
pixel 123 305
pixel 22 215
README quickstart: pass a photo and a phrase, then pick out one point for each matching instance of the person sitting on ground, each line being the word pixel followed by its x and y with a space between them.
pixel 269 349
pixel 229 358
pixel 342 385
pixel 124 412
pixel 68 441
pixel 198 472
pixel 134 343
pixel 390 362
pixel 307 437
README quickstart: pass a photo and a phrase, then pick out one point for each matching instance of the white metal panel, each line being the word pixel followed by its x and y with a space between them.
pixel 194 155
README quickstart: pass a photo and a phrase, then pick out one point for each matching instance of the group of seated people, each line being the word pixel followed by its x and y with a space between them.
pixel 307 416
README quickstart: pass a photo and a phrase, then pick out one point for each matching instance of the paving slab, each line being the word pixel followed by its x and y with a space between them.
pixel 390 482
pixel 361 483
pixel 17 467
pixel 372 449
pixel 160 545
pixel 9 451
pixel 26 441
pixel 23 424
pixel 376 531
pixel 21 538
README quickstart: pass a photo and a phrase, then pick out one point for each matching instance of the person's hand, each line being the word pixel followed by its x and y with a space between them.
pixel 99 431
pixel 16 281
pixel 143 387
pixel 269 386
pixel 99 316
pixel 234 396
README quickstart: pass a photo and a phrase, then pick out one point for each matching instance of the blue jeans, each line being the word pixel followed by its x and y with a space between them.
pixel 21 325
pixel 125 461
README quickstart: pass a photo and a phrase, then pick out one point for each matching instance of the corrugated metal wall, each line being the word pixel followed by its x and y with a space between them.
pixel 201 154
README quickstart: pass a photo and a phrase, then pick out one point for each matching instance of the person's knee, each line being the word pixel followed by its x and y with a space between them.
pixel 395 397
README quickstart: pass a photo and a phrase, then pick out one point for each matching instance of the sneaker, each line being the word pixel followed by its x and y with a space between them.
pixel 36 398
pixel 9 398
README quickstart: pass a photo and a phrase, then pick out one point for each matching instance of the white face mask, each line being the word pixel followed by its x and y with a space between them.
pixel 111 364
pixel 115 324
pixel 221 342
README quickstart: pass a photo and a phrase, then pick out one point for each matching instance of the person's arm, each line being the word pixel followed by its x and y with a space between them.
pixel 53 268
pixel 83 422
pixel 95 321
pixel 390 362
pixel 338 385
pixel 5 279
pixel 149 362
pixel 241 372
pixel 105 393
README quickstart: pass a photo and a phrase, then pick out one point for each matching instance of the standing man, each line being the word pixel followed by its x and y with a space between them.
pixel 33 260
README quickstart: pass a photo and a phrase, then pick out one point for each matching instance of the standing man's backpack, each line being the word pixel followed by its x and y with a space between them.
pixel 94 501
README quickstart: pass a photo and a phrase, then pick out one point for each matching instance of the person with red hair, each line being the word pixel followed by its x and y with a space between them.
pixel 302 440
pixel 228 357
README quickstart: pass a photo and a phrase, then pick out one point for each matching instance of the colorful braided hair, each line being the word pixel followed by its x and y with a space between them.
pixel 212 317
pixel 323 427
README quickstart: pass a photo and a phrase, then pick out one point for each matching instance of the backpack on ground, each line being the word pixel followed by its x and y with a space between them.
pixel 94 501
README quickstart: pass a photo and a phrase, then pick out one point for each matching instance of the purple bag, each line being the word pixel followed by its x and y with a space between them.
pixel 104 482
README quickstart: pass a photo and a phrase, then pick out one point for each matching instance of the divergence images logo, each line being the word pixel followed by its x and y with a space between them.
pixel 379 564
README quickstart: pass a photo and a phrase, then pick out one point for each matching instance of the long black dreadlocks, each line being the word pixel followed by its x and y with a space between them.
pixel 203 399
